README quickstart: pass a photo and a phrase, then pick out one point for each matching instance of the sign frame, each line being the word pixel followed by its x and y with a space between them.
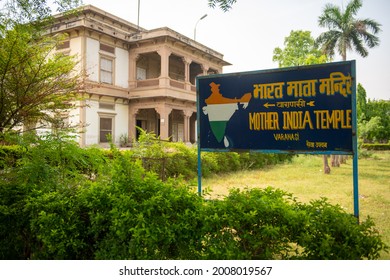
pixel 239 77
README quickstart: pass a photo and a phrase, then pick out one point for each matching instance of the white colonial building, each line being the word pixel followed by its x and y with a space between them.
pixel 134 77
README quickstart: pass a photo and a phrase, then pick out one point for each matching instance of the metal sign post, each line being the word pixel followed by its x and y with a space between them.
pixel 355 145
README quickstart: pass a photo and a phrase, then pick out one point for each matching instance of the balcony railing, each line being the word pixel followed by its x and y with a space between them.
pixel 176 84
pixel 148 83
pixel 173 83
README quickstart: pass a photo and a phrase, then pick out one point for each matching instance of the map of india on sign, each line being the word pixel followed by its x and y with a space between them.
pixel 301 109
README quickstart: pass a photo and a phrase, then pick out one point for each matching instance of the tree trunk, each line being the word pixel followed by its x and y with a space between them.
pixel 326 165
pixel 335 160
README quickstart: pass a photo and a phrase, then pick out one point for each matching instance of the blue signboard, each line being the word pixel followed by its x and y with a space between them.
pixel 306 109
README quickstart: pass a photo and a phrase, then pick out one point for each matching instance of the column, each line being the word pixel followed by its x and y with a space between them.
pixel 205 68
pixel 164 112
pixel 82 123
pixel 132 123
pixel 187 115
pixel 164 76
pixel 133 70
pixel 187 63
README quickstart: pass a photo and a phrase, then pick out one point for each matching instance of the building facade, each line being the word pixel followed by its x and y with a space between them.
pixel 133 77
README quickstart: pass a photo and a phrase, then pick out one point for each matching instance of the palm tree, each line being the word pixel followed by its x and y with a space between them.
pixel 346 33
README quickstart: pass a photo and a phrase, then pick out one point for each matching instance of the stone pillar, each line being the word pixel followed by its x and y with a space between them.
pixel 164 112
pixel 205 68
pixel 187 72
pixel 133 70
pixel 132 123
pixel 164 77
pixel 82 124
pixel 187 63
pixel 187 115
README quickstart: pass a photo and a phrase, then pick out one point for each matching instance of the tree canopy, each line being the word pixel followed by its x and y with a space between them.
pixel 23 11
pixel 299 49
pixel 37 82
pixel 346 32
pixel 373 118
pixel 224 5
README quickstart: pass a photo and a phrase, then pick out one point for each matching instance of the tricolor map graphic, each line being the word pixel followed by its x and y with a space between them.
pixel 220 109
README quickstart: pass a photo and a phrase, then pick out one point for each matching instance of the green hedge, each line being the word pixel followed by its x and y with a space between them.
pixel 174 160
pixel 125 212
pixel 376 147
pixel 9 155
pixel 64 202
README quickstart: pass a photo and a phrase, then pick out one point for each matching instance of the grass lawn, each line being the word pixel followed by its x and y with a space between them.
pixel 305 179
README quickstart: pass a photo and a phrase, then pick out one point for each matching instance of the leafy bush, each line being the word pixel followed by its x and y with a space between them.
pixel 333 234
pixel 255 224
pixel 9 155
pixel 57 225
pixel 181 161
pixel 271 224
pixel 64 202
pixel 128 214
pixel 166 159
pixel 376 147
pixel 39 189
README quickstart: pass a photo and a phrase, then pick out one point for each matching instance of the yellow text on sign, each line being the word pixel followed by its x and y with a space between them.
pixel 301 120
pixel 334 119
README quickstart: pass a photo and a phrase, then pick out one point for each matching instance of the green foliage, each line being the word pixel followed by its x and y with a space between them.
pixel 148 145
pixel 271 224
pixel 37 82
pixel 333 234
pixel 149 220
pixel 9 155
pixel 63 202
pixel 124 140
pixel 181 161
pixel 254 224
pixel 361 102
pixel 373 118
pixel 128 214
pixel 38 12
pixel 379 109
pixel 346 32
pixel 214 162
pixel 299 49
pixel 36 196
pixel 376 147
pixel 32 79
pixel 172 160
pixel 57 226
pixel 370 129
pixel 224 5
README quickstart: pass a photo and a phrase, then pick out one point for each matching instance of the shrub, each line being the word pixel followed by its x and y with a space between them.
pixel 174 160
pixel 64 202
pixel 333 234
pixel 271 224
pixel 376 147
pixel 15 234
pixel 254 224
pixel 182 161
pixel 134 215
pixel 58 228
pixel 37 200
pixel 9 155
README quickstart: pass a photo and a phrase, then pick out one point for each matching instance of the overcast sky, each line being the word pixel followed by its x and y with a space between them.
pixel 248 33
